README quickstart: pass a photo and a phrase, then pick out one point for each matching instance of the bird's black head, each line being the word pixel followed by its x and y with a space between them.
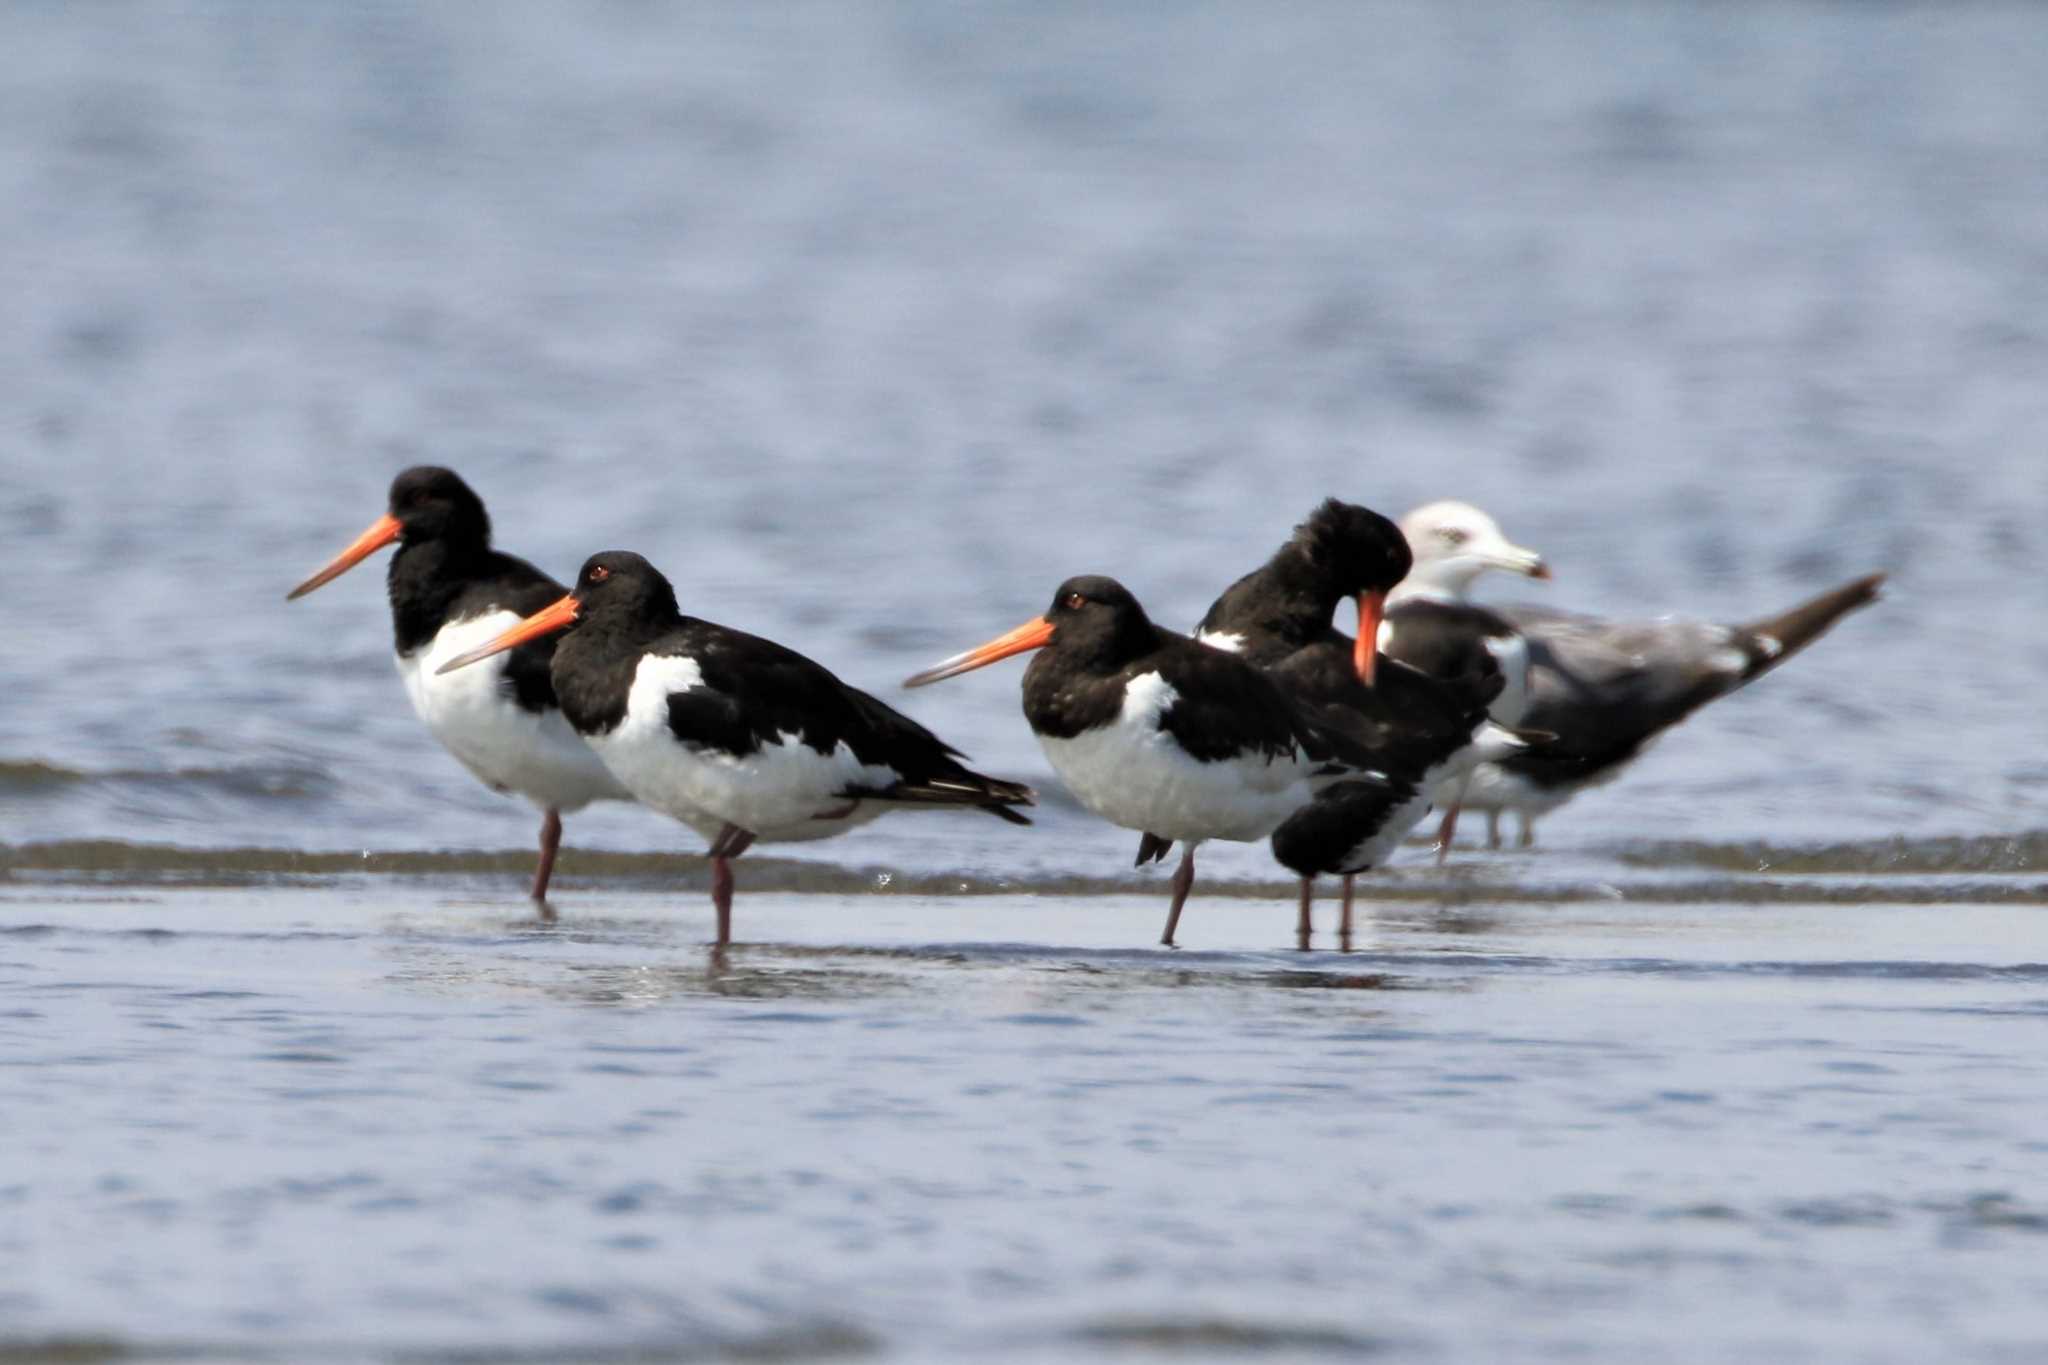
pixel 1095 619
pixel 432 503
pixel 1352 549
pixel 620 583
pixel 430 506
pixel 618 596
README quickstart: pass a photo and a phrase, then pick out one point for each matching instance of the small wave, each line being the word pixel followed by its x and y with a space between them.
pixel 115 862
pixel 1209 1335
pixel 258 781
pixel 31 775
pixel 1989 853
pixel 824 1341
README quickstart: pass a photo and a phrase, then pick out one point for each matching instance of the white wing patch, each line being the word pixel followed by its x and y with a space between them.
pixel 1229 641
pixel 778 791
pixel 655 679
pixel 1147 698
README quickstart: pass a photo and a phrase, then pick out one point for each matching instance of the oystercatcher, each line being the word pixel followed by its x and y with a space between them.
pixel 450 591
pixel 699 720
pixel 1424 731
pixel 1601 690
pixel 1157 733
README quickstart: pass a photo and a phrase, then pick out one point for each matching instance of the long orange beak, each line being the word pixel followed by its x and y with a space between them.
pixel 382 532
pixel 557 615
pixel 1365 653
pixel 1033 634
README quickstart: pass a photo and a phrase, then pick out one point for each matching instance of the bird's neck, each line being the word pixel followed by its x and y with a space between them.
pixel 424 580
pixel 1287 599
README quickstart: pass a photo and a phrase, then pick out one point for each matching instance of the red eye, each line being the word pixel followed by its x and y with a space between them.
pixel 598 573
pixel 1074 602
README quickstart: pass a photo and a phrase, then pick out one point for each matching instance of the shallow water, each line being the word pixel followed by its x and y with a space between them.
pixel 396 1120
pixel 870 324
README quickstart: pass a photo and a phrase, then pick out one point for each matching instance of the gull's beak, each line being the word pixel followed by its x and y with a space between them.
pixel 1365 651
pixel 1033 634
pixel 557 615
pixel 1512 558
pixel 382 532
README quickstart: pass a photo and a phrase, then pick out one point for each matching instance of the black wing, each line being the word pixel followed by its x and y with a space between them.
pixel 1324 836
pixel 756 691
pixel 1445 639
pixel 1408 720
pixel 1223 707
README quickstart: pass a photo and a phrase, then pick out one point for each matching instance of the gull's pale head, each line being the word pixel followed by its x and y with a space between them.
pixel 1454 543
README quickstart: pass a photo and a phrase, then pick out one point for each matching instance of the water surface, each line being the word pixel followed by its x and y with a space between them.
pixel 399 1121
pixel 870 325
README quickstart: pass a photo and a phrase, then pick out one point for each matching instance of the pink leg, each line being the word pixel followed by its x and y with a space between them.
pixel 730 843
pixel 721 897
pixel 1305 925
pixel 1446 832
pixel 1183 879
pixel 550 843
pixel 1344 925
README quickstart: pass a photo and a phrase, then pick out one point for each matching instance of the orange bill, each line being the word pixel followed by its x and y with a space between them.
pixel 1033 634
pixel 557 615
pixel 1372 606
pixel 382 532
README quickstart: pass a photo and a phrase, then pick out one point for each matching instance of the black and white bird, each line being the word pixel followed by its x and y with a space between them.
pixel 710 724
pixel 450 591
pixel 1157 733
pixel 1423 731
pixel 1602 690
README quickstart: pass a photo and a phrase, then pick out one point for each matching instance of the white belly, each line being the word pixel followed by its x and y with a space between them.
pixel 1495 788
pixel 1512 654
pixel 473 714
pixel 784 791
pixel 1132 773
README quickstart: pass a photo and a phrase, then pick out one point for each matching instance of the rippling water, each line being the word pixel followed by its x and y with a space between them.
pixel 870 327
pixel 381 1122
pixel 870 324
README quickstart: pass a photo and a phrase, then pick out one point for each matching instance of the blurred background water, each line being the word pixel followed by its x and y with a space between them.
pixel 869 324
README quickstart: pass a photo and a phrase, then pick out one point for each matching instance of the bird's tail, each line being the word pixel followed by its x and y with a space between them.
pixel 1152 849
pixel 1771 641
pixel 967 788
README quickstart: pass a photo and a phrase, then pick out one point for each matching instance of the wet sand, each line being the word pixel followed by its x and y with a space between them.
pixel 400 1118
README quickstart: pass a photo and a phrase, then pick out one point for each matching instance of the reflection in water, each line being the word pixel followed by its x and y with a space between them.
pixel 601 1140
pixel 761 971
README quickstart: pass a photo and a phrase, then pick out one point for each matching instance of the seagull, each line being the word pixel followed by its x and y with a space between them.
pixel 1600 690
